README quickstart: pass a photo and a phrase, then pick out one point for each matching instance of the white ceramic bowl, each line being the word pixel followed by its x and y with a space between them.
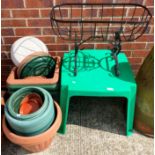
pixel 25 46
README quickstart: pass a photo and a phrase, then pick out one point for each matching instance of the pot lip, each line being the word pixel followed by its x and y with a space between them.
pixel 37 138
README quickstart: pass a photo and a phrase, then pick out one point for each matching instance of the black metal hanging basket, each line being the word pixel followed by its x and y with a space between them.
pixel 99 22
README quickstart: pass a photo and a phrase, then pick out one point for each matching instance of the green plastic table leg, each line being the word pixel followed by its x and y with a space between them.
pixel 130 112
pixel 64 104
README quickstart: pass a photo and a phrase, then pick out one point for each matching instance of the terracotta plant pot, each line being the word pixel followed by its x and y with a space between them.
pixel 13 83
pixel 39 142
pixel 2 107
pixel 30 103
pixel 2 98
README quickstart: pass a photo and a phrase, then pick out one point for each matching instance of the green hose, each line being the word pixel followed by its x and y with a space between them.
pixel 34 123
pixel 39 66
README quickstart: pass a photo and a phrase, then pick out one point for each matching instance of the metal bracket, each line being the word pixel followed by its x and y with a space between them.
pixel 76 52
pixel 116 50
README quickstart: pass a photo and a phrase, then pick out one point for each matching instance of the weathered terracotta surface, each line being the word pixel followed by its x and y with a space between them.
pixel 2 97
pixel 2 107
pixel 39 142
pixel 34 80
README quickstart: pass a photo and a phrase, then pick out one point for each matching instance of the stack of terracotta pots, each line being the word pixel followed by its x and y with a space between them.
pixel 31 119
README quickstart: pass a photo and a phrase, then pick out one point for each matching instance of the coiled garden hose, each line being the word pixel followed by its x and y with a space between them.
pixel 34 123
pixel 39 66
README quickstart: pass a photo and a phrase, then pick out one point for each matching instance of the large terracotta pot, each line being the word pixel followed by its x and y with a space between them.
pixel 144 113
pixel 35 143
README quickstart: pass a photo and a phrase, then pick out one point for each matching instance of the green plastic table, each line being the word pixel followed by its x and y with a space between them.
pixel 96 77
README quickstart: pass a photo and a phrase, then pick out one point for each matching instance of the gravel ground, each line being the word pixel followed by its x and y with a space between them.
pixel 96 126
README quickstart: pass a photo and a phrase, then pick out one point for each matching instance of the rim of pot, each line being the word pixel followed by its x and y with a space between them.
pixel 18 92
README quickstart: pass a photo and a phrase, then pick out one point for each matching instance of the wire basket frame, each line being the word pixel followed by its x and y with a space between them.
pixel 87 21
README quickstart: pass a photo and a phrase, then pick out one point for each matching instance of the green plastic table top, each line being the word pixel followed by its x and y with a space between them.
pixel 96 66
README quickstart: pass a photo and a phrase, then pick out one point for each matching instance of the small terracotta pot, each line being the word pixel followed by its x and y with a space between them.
pixel 39 142
pixel 30 103
pixel 34 80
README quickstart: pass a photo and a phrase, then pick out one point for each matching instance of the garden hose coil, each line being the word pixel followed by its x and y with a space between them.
pixel 43 65
pixel 34 123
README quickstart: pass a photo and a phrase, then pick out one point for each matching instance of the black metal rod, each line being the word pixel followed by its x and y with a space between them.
pixel 60 12
pixel 70 32
pixel 102 13
pixel 98 21
pixel 81 30
pixel 76 54
pixel 116 67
